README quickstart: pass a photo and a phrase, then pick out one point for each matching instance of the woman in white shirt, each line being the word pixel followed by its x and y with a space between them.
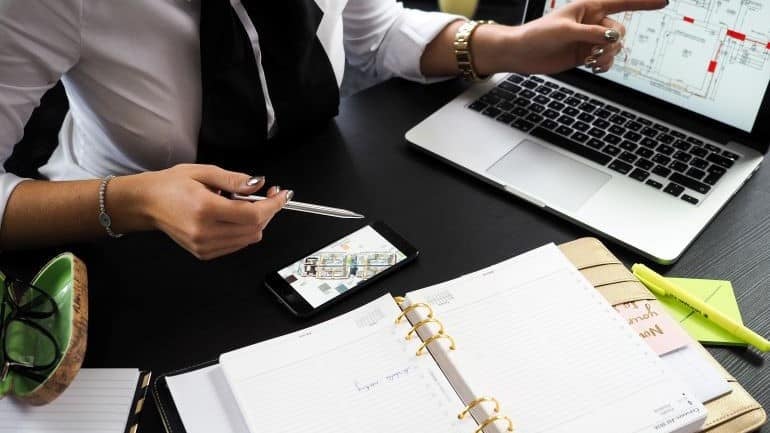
pixel 132 72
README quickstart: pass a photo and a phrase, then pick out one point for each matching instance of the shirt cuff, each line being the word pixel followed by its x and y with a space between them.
pixel 8 182
pixel 406 41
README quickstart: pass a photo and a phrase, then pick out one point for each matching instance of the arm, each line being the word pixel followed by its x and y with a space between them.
pixel 554 43
pixel 40 41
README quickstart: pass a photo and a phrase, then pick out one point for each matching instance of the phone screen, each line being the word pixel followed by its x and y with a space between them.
pixel 341 266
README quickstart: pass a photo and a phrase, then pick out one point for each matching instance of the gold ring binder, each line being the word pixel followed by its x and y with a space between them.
pixel 423 323
pixel 434 338
pixel 399 299
pixel 475 403
pixel 493 420
pixel 413 307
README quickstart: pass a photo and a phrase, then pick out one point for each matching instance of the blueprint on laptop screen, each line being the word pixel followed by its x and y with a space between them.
pixel 708 56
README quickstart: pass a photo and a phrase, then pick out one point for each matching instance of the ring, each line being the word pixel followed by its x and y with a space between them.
pixel 598 69
pixel 597 52
pixel 612 35
pixel 590 61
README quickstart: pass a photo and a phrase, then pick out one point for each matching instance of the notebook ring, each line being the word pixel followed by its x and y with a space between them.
pixel 433 338
pixel 475 403
pixel 493 420
pixel 422 323
pixel 411 308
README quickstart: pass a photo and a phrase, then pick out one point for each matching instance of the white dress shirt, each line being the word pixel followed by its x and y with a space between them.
pixel 131 70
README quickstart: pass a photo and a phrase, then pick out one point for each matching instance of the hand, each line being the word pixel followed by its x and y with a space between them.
pixel 184 202
pixel 561 40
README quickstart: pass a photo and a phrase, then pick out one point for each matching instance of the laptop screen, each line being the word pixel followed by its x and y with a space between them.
pixel 712 57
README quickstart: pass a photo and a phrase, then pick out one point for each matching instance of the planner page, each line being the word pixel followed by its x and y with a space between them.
pixel 533 333
pixel 354 373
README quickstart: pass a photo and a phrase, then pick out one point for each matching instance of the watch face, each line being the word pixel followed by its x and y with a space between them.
pixel 104 219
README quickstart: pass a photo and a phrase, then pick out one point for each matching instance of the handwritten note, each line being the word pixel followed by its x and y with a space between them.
pixel 654 325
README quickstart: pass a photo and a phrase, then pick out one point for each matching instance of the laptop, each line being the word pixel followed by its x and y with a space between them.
pixel 646 154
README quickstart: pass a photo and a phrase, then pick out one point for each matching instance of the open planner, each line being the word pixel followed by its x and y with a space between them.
pixel 527 345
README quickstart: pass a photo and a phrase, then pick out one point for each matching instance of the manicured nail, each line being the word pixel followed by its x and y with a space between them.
pixel 255 180
pixel 277 189
pixel 289 195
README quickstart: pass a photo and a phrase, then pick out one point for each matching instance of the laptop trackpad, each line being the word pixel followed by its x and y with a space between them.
pixel 557 180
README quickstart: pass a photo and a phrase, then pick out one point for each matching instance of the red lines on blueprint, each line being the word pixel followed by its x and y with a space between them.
pixel 690 20
pixel 736 35
pixel 712 66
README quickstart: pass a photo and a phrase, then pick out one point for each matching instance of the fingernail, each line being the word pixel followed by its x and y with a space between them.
pixel 255 180
pixel 289 195
pixel 277 189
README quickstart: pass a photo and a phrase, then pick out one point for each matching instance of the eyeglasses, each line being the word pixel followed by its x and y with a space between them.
pixel 28 348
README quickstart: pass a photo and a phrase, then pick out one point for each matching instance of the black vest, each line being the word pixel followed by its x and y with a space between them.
pixel 299 75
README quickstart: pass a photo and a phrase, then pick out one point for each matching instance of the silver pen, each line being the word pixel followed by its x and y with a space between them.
pixel 304 207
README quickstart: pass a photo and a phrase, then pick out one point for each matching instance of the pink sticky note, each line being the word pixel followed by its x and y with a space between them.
pixel 654 325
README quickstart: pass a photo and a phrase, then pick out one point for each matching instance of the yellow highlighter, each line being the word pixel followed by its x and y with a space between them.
pixel 662 287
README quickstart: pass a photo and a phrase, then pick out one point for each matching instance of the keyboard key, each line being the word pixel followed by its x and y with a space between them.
pixel 537 79
pixel 551 114
pixel 477 106
pixel 596 102
pixel 695 173
pixel 617 130
pixel 571 146
pixel 522 124
pixel 520 111
pixel 690 183
pixel 490 99
pixel 645 152
pixel 601 123
pixel 585 117
pixel 634 126
pixel 544 90
pixel 515 78
pixel 633 136
pixel 729 155
pixel 639 175
pixel 681 156
pixel 620 167
pixel 564 130
pixel 529 84
pixel 581 96
pixel 649 132
pixel 618 119
pixel 559 96
pixel 645 122
pixel 661 128
pixel 506 118
pixel 511 88
pixel 602 113
pixel 527 94
pixel 712 179
pixel 717 169
pixel 699 151
pixel 552 85
pixel 612 108
pixel 690 199
pixel 720 160
pixel 682 145
pixel 649 142
pixel 540 99
pixel 582 127
pixel 699 163
pixel 677 134
pixel 661 171
pixel 628 114
pixel 566 120
pixel 580 137
pixel 628 145
pixel 695 141
pixel 549 124
pixel 571 111
pixel 505 106
pixel 674 189
pixel 664 149
pixel 644 164
pixel 573 101
pixel 678 166
pixel 596 144
pixel 537 108
pixel 628 157
pixel 556 105
pixel 654 184
pixel 611 150
pixel 566 90
pixel 534 118
pixel 596 133
pixel 612 139
pixel 666 139
pixel 588 107
pixel 661 159
pixel 491 112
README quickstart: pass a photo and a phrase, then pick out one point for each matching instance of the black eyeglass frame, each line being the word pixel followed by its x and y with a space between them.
pixel 24 314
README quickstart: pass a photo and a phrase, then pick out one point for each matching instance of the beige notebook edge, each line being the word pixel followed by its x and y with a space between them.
pixel 736 412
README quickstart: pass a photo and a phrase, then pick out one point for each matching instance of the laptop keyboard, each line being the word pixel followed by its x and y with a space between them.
pixel 662 158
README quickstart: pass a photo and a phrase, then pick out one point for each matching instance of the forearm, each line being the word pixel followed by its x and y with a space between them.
pixel 40 213
pixel 487 43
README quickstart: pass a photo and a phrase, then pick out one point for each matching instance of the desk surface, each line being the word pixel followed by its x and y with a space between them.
pixel 156 307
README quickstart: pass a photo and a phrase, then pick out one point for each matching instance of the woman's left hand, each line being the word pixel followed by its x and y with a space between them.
pixel 561 40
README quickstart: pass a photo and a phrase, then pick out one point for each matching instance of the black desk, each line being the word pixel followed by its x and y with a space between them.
pixel 155 306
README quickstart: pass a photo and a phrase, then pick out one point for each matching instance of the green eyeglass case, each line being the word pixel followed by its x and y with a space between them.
pixel 65 279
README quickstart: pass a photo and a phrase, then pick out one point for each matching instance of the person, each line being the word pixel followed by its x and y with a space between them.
pixel 168 96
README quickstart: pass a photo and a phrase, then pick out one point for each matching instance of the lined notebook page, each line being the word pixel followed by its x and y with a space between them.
pixel 97 401
pixel 355 373
pixel 535 334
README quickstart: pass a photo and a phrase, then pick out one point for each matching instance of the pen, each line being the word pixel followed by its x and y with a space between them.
pixel 304 207
pixel 662 287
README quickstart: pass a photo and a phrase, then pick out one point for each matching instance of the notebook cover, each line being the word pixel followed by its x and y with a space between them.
pixel 169 415
pixel 137 405
pixel 736 412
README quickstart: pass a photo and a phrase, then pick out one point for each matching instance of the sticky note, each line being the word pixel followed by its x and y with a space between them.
pixel 649 319
pixel 720 295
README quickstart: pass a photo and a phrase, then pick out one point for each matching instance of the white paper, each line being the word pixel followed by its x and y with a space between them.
pixel 697 372
pixel 97 401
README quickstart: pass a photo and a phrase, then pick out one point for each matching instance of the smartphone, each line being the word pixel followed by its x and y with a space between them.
pixel 340 269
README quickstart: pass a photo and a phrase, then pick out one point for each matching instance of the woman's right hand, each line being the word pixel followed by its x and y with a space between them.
pixel 185 202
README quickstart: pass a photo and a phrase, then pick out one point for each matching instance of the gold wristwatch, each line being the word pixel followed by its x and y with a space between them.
pixel 462 47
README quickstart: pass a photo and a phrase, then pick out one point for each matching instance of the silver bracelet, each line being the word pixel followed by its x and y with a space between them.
pixel 104 218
